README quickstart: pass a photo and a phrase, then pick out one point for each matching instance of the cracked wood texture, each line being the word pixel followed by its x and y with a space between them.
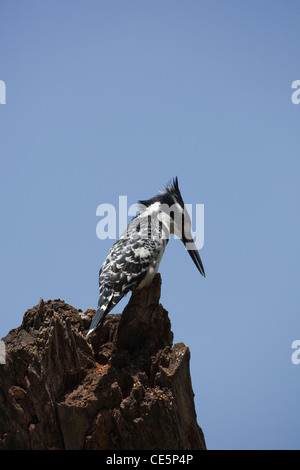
pixel 125 387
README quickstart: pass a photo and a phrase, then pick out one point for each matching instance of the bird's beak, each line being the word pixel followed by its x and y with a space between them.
pixel 194 254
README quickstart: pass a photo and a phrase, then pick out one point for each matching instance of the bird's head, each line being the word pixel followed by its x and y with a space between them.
pixel 174 216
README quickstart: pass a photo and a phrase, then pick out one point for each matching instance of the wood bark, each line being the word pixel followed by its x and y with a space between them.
pixel 124 387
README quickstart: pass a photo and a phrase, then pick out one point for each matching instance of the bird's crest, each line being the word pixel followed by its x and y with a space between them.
pixel 169 195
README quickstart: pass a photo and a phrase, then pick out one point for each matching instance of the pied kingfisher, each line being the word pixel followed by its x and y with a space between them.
pixel 134 258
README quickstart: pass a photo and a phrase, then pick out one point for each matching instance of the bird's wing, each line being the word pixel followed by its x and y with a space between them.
pixel 130 257
pixel 125 267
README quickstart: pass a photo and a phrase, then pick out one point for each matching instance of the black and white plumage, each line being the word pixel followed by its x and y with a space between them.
pixel 133 260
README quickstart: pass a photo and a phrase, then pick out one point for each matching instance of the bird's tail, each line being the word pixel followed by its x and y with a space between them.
pixel 99 315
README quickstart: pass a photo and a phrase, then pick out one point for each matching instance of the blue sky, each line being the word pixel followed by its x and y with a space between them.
pixel 109 98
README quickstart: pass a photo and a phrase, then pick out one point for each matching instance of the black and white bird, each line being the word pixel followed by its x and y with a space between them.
pixel 133 260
